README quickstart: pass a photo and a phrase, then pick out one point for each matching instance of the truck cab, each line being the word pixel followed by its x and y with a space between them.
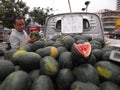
pixel 74 23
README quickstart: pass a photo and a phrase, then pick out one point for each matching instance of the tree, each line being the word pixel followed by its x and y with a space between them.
pixel 39 15
pixel 9 9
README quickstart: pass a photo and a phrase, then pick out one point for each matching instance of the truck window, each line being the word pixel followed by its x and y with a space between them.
pixel 86 24
pixel 58 26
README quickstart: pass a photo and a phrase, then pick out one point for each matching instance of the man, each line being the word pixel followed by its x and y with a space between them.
pixel 18 36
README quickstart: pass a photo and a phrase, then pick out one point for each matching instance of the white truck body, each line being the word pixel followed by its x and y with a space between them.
pixel 76 23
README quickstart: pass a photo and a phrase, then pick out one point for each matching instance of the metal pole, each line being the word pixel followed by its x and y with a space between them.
pixel 69 6
pixel 87 3
pixel 86 7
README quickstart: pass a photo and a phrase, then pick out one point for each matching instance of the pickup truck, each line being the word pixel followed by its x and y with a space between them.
pixel 81 22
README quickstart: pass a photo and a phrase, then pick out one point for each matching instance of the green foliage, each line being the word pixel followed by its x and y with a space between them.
pixel 11 8
pixel 40 14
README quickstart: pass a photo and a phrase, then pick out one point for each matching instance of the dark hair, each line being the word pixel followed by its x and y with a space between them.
pixel 17 17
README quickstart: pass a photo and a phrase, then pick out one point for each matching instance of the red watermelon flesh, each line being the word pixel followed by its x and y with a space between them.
pixel 84 49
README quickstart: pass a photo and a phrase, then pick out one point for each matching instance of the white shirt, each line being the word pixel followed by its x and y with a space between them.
pixel 17 38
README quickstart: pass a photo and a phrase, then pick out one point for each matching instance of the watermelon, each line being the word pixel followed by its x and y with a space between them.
pixel 65 60
pixel 108 85
pixel 108 71
pixel 87 73
pixel 80 41
pixel 107 48
pixel 77 85
pixel 79 37
pixel 83 50
pixel 35 36
pixel 37 44
pixel 64 75
pixel 48 51
pixel 96 44
pixel 98 54
pixel 8 54
pixel 18 80
pixel 16 56
pixel 57 43
pixel 88 37
pixel 29 61
pixel 61 49
pixel 68 42
pixel 80 53
pixel 92 59
pixel 49 43
pixel 106 56
pixel 43 82
pixel 49 66
pixel 26 47
pixel 34 74
pixel 6 67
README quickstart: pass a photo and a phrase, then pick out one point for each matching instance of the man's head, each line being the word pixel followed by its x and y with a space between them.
pixel 19 23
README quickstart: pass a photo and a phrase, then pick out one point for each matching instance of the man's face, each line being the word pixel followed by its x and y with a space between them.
pixel 19 25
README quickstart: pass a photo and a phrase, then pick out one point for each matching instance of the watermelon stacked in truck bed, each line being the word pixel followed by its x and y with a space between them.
pixel 69 62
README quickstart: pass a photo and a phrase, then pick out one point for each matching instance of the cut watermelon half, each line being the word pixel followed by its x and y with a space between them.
pixel 84 49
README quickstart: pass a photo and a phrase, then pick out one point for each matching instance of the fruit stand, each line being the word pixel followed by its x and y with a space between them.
pixel 75 59
pixel 64 62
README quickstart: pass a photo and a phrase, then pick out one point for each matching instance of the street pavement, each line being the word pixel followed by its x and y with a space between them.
pixel 113 42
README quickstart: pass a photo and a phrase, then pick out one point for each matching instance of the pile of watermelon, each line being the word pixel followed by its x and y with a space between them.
pixel 67 62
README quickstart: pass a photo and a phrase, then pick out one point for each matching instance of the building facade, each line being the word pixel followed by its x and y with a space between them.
pixel 110 17
pixel 118 5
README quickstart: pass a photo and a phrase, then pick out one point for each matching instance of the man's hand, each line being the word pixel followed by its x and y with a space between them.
pixel 31 40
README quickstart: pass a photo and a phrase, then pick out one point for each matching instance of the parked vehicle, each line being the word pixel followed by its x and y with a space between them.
pixel 75 23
